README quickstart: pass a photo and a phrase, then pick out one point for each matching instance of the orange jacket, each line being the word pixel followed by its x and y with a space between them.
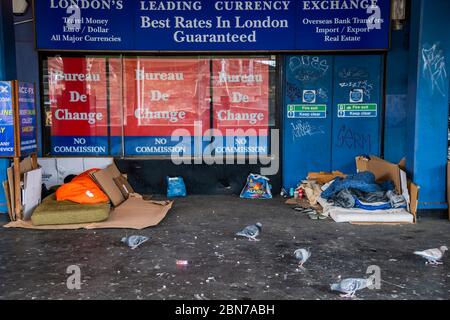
pixel 82 189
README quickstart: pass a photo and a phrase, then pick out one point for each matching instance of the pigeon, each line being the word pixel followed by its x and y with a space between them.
pixel 251 232
pixel 134 241
pixel 302 255
pixel 432 255
pixel 350 286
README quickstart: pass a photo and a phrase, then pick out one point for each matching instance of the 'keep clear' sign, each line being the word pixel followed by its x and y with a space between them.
pixel 200 25
pixel 78 103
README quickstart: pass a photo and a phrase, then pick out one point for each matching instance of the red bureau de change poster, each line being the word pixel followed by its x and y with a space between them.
pixel 241 104
pixel 116 106
pixel 78 104
pixel 160 96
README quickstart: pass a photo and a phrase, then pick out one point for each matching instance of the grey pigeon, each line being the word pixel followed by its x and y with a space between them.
pixel 432 255
pixel 251 232
pixel 134 241
pixel 302 255
pixel 350 286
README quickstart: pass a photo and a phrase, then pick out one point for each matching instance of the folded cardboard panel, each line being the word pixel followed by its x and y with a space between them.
pixel 124 186
pixel 32 190
pixel 382 169
pixel 113 170
pixel 26 165
pixel 325 177
pixel 105 180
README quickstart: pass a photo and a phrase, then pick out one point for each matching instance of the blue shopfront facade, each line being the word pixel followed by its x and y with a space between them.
pixel 337 84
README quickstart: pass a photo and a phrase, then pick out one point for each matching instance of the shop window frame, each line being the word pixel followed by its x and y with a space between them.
pixel 274 110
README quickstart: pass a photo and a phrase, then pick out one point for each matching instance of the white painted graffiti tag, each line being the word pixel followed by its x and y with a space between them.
pixel 434 68
pixel 305 129
pixel 308 68
pixel 364 85
pixel 353 72
pixel 322 93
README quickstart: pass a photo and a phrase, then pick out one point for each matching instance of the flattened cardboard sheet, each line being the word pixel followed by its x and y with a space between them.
pixel 135 213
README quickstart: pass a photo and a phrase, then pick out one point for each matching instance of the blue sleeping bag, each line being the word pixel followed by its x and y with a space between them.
pixel 363 181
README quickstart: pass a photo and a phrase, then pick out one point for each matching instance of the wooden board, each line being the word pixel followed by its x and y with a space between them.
pixel 17 190
pixel 10 174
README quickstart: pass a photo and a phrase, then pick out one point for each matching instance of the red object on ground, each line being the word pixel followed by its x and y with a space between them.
pixel 82 189
pixel 300 193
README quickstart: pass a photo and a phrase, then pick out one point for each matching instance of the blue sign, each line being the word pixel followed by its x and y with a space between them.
pixel 79 146
pixel 6 120
pixel 212 25
pixel 27 118
pixel 164 145
pixel 309 96
pixel 343 24
pixel 357 95
pixel 307 111
pixel 369 110
pixel 90 25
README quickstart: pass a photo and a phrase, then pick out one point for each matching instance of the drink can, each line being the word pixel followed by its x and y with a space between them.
pixel 182 262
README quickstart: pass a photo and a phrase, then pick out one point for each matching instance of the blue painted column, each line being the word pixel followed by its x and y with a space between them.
pixel 7 71
pixel 428 96
pixel 396 95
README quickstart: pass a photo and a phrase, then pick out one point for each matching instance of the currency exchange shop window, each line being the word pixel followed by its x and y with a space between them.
pixel 137 106
pixel 243 98
pixel 76 106
pixel 166 105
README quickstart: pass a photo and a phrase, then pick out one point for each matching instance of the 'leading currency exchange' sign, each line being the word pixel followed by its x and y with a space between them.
pixel 208 25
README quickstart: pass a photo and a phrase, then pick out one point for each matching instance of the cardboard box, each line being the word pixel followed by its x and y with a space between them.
pixel 384 170
pixel 120 180
pixel 126 202
pixel 123 185
pixel 106 182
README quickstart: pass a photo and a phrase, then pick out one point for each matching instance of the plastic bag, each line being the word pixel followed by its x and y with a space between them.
pixel 257 187
pixel 175 187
